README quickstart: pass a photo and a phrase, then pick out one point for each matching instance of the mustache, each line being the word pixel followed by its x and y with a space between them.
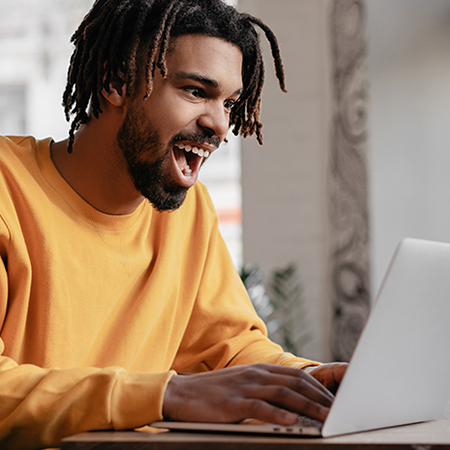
pixel 200 138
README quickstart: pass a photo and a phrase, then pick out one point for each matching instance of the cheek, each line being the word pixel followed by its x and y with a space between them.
pixel 170 114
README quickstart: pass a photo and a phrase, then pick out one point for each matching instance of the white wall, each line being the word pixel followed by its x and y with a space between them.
pixel 284 182
pixel 409 123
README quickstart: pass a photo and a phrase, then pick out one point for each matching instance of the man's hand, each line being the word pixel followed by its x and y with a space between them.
pixel 330 375
pixel 266 392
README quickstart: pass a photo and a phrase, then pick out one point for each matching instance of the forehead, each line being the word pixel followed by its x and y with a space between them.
pixel 207 56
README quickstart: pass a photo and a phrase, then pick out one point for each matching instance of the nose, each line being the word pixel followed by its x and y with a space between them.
pixel 214 120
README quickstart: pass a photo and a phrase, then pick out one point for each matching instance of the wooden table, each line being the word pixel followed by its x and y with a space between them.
pixel 423 436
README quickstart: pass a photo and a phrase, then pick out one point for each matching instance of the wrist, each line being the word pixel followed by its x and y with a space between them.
pixel 170 403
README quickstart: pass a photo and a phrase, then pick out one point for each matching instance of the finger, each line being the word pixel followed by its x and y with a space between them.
pixel 330 375
pixel 287 399
pixel 298 385
pixel 338 374
pixel 298 375
pixel 266 412
pixel 341 368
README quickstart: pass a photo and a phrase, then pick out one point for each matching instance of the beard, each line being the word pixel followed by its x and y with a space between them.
pixel 136 141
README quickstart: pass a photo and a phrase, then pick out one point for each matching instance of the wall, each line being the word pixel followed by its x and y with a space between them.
pixel 283 182
pixel 305 190
pixel 409 120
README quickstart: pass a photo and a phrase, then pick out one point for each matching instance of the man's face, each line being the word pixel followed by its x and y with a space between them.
pixel 166 138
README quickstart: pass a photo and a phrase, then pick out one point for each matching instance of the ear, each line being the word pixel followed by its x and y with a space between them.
pixel 116 94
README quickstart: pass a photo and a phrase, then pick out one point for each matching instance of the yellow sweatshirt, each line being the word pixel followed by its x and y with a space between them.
pixel 97 311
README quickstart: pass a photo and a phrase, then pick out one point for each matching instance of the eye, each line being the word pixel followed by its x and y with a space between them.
pixel 228 105
pixel 194 91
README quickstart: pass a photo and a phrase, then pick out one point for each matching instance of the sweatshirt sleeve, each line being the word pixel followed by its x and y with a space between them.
pixel 40 406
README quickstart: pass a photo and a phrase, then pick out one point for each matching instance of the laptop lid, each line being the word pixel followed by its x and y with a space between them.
pixel 400 370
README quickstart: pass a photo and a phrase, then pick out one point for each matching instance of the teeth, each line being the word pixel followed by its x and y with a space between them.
pixel 198 151
pixel 187 171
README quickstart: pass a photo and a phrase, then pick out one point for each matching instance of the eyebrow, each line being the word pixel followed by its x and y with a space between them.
pixel 201 79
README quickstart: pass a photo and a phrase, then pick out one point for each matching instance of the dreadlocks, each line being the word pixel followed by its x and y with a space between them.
pixel 114 34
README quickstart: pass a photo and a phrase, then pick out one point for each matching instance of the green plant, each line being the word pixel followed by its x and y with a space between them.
pixel 256 288
pixel 280 305
pixel 286 294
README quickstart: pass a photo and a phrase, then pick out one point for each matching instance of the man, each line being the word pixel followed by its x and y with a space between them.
pixel 119 303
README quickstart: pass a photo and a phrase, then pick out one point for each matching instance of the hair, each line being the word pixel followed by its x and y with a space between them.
pixel 115 33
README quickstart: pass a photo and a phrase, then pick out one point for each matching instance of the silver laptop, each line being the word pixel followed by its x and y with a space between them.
pixel 400 370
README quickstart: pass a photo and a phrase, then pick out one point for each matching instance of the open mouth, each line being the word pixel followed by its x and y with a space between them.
pixel 189 158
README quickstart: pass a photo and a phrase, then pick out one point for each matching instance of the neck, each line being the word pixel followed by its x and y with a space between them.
pixel 97 170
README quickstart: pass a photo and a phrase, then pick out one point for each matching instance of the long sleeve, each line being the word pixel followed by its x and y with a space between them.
pixel 39 406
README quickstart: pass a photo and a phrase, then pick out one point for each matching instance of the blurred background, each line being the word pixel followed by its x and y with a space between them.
pixel 356 155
